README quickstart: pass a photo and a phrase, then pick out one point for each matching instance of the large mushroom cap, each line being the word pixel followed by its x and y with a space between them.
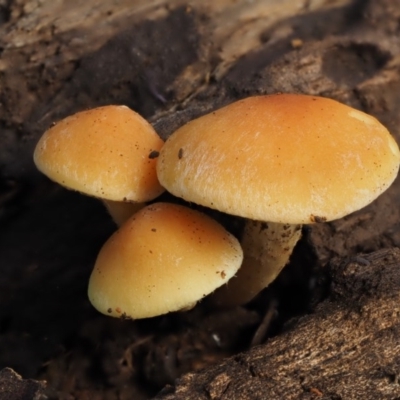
pixel 105 152
pixel 165 258
pixel 282 158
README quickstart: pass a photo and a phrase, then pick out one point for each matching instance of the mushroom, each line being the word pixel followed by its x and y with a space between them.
pixel 281 161
pixel 107 152
pixel 120 211
pixel 164 258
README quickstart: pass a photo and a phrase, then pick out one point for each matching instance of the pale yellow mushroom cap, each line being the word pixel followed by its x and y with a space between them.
pixel 164 258
pixel 282 158
pixel 107 152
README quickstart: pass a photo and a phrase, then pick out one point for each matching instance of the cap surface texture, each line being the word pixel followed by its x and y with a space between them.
pixel 282 158
pixel 165 258
pixel 104 152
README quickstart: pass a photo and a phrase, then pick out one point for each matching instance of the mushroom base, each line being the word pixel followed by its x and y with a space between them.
pixel 267 248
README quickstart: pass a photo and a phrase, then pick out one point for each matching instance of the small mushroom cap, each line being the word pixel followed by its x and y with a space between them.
pixel 165 258
pixel 105 152
pixel 282 158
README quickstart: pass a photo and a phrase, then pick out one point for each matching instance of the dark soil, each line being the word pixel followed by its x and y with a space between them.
pixel 49 236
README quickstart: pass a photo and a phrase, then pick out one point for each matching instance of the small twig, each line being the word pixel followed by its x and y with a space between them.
pixel 262 329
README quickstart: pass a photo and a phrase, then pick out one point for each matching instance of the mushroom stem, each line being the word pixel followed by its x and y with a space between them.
pixel 120 211
pixel 267 248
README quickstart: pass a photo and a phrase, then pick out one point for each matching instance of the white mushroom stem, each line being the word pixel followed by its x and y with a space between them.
pixel 120 211
pixel 267 248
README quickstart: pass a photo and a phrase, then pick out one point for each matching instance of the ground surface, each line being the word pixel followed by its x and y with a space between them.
pixel 172 64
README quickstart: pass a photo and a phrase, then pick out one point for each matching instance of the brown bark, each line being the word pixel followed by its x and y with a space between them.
pixel 347 349
pixel 13 387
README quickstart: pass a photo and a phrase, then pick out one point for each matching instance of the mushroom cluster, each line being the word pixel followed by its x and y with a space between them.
pixel 278 161
pixel 164 257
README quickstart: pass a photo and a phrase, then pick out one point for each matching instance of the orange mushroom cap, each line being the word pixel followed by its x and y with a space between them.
pixel 164 258
pixel 282 158
pixel 108 152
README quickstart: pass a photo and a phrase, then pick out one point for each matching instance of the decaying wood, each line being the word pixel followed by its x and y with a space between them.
pixel 347 349
pixel 13 387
